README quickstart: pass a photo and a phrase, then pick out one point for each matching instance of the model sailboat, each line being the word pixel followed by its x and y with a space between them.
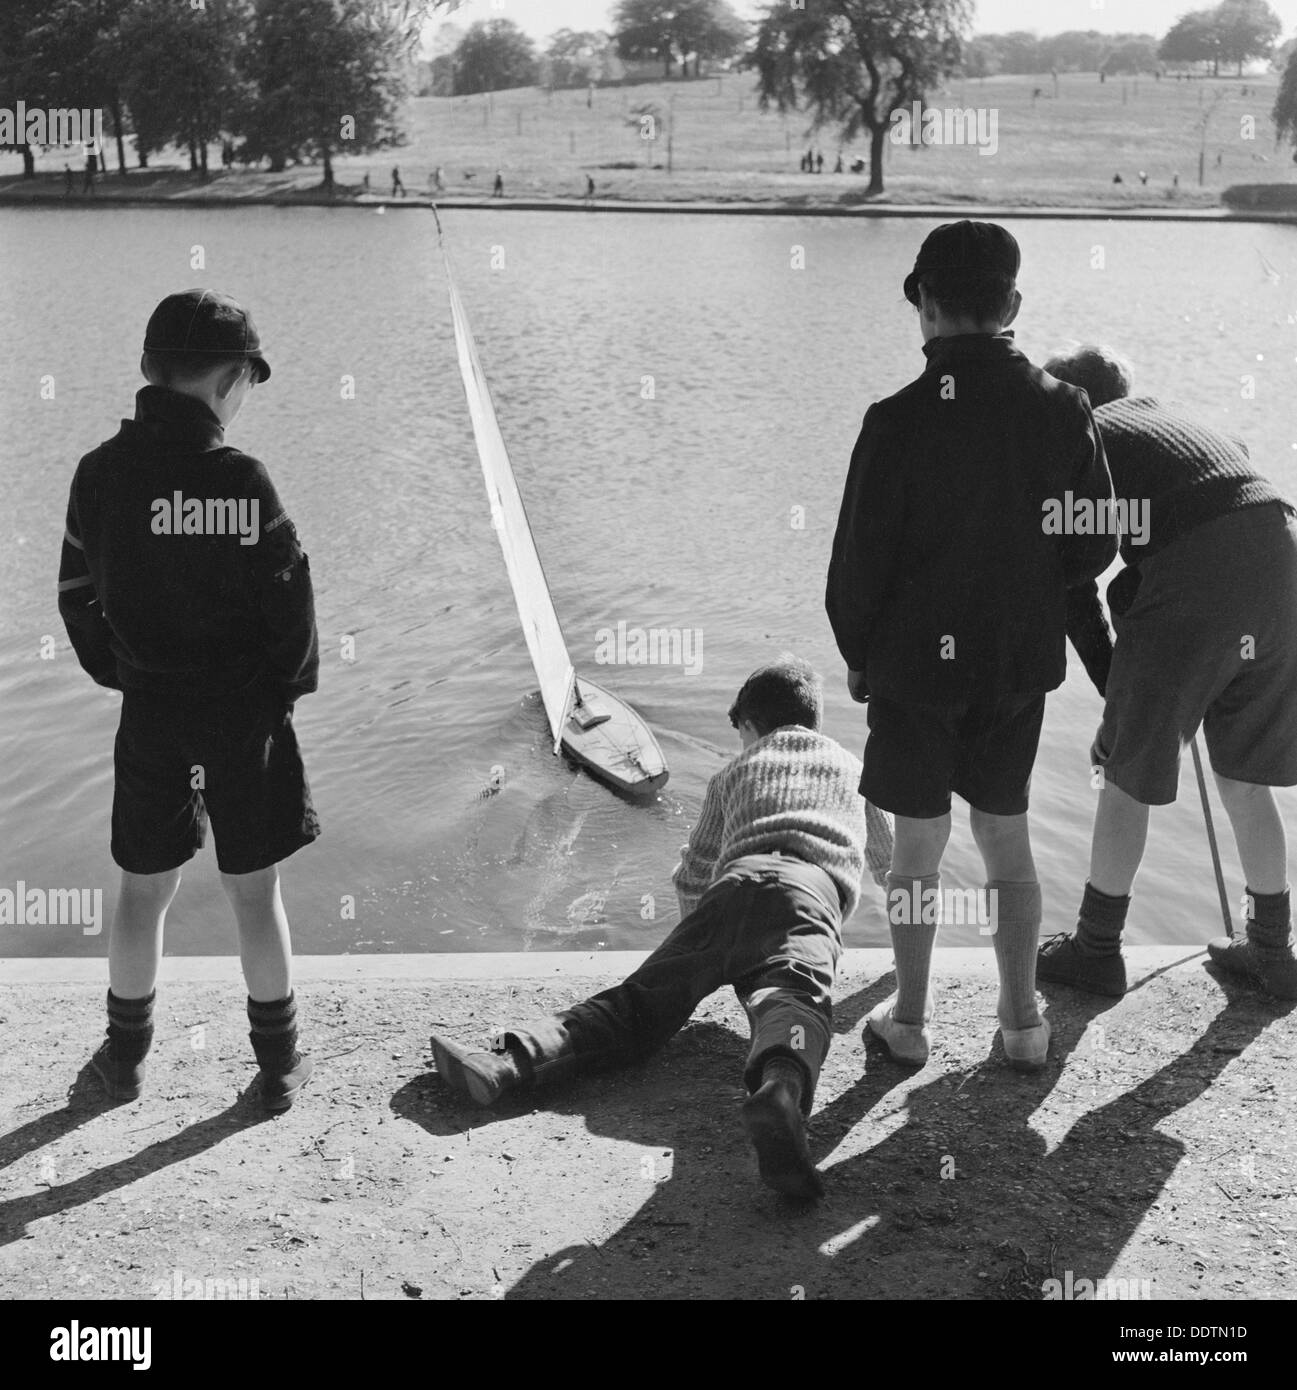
pixel 589 723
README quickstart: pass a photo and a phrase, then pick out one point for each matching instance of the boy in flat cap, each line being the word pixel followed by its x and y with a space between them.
pixel 1206 619
pixel 182 584
pixel 948 599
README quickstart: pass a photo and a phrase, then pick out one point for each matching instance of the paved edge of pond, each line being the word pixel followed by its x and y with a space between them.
pixel 769 208
pixel 1155 1149
pixel 425 966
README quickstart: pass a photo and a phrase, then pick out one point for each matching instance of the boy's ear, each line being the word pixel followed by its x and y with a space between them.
pixel 1014 305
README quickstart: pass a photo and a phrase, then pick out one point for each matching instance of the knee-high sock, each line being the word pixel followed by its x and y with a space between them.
pixel 913 914
pixel 1016 918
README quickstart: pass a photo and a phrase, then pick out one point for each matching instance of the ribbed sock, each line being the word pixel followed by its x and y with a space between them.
pixel 130 1026
pixel 274 1032
pixel 1269 924
pixel 1017 934
pixel 1100 922
pixel 912 940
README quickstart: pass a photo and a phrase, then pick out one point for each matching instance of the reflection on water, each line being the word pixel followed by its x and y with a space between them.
pixel 674 394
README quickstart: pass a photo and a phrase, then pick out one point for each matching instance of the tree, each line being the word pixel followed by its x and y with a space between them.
pixel 1132 56
pixel 494 54
pixel 59 54
pixel 1284 114
pixel 855 62
pixel 1246 29
pixel 324 76
pixel 181 73
pixel 671 29
pixel 1193 38
pixel 576 56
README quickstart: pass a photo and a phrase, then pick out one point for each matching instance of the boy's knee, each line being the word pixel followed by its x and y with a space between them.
pixel 150 887
pixel 253 887
pixel 1230 790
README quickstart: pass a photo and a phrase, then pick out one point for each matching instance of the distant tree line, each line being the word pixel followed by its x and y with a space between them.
pixel 283 80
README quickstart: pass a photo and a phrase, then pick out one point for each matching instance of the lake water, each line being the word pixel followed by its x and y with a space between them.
pixel 675 511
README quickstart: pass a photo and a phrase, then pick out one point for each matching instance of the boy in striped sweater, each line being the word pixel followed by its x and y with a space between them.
pixel 770 873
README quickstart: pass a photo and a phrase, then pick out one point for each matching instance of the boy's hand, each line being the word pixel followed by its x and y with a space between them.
pixel 856 685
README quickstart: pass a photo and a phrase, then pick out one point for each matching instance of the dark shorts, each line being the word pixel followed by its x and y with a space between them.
pixel 1208 637
pixel 983 751
pixel 253 787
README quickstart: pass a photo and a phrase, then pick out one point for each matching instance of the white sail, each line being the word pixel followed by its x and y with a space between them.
pixel 540 624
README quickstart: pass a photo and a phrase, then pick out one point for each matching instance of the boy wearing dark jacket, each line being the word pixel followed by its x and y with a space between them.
pixel 182 584
pixel 948 595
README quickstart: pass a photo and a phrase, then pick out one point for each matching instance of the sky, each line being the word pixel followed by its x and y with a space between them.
pixel 540 18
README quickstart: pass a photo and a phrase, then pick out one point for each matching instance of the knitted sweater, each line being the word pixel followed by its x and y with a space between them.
pixel 1187 471
pixel 793 790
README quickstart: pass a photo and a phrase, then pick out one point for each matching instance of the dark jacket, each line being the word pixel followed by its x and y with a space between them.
pixel 944 584
pixel 206 612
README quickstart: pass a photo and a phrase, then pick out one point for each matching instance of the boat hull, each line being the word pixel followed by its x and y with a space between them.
pixel 621 750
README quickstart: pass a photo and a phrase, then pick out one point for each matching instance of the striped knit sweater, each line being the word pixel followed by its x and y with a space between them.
pixel 1188 472
pixel 793 790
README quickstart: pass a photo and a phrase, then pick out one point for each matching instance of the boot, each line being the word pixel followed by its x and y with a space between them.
pixel 772 1116
pixel 480 1075
pixel 119 1060
pixel 1061 962
pixel 284 1070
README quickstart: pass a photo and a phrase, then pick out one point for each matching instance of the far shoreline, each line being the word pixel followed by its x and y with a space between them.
pixel 769 207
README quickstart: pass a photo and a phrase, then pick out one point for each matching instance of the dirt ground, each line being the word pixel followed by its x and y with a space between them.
pixel 1156 1147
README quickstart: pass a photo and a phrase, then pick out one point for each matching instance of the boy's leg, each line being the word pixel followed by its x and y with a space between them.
pixel 265 949
pixel 134 950
pixel 1005 845
pixel 267 956
pixel 916 878
pixel 1091 958
pixel 626 1023
pixel 788 955
pixel 135 937
pixel 1265 956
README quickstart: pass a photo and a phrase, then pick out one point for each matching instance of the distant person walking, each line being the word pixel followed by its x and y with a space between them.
pixel 67 180
pixel 436 180
pixel 810 161
pixel 364 183
pixel 397 186
pixel 497 188
pixel 819 163
pixel 589 186
pixel 837 168
pixel 92 168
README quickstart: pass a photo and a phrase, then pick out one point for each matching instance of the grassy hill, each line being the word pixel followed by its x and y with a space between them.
pixel 1052 151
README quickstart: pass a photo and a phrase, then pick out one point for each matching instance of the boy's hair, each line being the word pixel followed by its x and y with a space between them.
pixel 1100 372
pixel 788 691
pixel 185 368
pixel 979 295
